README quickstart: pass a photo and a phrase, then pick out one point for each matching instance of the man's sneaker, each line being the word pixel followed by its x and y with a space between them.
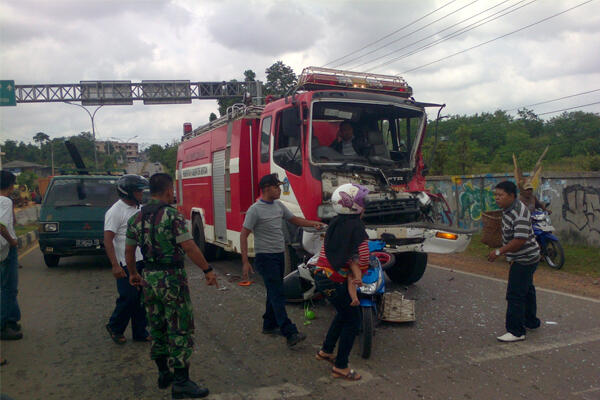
pixel 533 326
pixel 273 331
pixel 295 338
pixel 14 325
pixel 9 333
pixel 509 337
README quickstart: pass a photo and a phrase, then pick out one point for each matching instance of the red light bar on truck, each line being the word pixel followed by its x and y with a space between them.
pixel 315 78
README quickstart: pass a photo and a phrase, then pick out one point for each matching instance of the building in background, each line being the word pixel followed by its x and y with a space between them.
pixel 130 150
pixel 17 167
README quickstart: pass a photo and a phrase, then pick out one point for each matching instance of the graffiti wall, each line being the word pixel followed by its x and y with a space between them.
pixel 574 200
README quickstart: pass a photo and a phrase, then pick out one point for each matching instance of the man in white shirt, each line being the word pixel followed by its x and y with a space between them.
pixel 9 262
pixel 129 305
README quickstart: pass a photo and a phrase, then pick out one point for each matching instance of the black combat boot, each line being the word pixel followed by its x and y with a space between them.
pixel 165 376
pixel 184 388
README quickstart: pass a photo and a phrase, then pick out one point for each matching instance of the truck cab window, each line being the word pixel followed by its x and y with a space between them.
pixel 287 152
pixel 265 138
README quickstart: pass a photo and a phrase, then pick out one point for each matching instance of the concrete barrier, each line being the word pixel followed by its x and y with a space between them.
pixel 27 239
pixel 574 199
pixel 28 215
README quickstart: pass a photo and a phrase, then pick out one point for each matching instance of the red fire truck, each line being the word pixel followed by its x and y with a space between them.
pixel 219 165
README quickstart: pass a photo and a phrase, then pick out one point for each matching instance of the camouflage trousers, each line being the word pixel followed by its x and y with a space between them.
pixel 170 315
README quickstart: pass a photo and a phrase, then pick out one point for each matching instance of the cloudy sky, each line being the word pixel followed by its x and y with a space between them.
pixel 67 41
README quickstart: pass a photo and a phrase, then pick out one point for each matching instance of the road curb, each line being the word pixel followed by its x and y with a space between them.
pixel 27 240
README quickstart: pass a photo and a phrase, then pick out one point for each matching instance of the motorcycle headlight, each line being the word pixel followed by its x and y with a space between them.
pixel 368 288
pixel 50 227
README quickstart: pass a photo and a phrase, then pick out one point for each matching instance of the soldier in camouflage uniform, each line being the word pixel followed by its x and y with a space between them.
pixel 161 233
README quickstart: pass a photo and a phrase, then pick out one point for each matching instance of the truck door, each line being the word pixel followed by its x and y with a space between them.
pixel 218 188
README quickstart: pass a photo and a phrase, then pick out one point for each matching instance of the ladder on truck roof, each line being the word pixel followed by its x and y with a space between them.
pixel 235 111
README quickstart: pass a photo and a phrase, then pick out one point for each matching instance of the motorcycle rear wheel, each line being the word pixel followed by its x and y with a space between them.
pixel 367 331
pixel 554 254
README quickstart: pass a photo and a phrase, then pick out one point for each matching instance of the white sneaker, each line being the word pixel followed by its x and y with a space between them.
pixel 509 337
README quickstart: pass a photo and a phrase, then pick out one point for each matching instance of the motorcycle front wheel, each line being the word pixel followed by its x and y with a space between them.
pixel 367 331
pixel 554 254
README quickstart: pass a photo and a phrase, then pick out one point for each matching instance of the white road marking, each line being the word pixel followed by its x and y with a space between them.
pixel 283 391
pixel 508 350
pixel 29 251
pixel 574 296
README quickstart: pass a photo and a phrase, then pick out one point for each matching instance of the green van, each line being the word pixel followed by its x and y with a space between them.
pixel 72 215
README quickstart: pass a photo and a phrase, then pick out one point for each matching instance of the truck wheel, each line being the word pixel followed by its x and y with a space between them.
pixel 409 267
pixel 208 250
pixel 51 260
pixel 367 330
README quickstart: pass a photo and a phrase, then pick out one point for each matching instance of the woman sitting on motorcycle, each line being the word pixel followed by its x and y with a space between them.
pixel 343 259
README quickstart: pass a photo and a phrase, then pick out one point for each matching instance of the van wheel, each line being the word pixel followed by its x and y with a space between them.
pixel 409 267
pixel 51 260
pixel 209 250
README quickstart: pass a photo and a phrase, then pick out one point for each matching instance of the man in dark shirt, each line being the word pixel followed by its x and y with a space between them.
pixel 346 143
pixel 523 253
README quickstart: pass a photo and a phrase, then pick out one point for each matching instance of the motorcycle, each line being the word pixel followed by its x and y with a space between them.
pixel 299 286
pixel 550 247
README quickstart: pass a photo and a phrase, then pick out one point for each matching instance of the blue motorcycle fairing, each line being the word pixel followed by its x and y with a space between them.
pixel 370 276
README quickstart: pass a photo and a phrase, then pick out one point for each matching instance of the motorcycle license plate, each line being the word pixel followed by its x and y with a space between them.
pixel 87 242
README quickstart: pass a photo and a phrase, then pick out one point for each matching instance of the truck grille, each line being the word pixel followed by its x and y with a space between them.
pixel 392 211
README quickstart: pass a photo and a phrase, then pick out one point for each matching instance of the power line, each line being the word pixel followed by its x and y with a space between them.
pixel 390 34
pixel 408 34
pixel 570 108
pixel 452 35
pixel 550 101
pixel 499 37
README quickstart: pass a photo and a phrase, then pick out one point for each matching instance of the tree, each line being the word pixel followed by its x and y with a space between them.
pixel 280 79
pixel 212 117
pixel 40 138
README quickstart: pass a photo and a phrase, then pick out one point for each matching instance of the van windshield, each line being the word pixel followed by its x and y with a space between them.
pixel 82 193
pixel 378 135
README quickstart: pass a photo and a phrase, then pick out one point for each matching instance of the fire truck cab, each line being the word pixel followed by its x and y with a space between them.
pixel 336 127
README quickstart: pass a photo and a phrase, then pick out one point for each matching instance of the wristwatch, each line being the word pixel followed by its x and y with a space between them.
pixel 207 270
pixel 497 252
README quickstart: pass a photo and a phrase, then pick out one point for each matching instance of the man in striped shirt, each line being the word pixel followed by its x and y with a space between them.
pixel 523 253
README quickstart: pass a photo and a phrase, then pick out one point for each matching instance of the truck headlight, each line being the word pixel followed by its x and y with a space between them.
pixel 325 211
pixel 50 227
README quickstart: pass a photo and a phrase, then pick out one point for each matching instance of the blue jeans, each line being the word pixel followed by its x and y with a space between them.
pixel 129 307
pixel 520 295
pixel 346 323
pixel 271 267
pixel 10 311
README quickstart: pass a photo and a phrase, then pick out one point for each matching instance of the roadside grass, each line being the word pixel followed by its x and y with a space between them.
pixel 579 260
pixel 23 229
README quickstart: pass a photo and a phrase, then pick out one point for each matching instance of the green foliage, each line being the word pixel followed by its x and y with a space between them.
pixel 166 155
pixel 485 143
pixel 280 79
pixel 212 117
pixel 28 178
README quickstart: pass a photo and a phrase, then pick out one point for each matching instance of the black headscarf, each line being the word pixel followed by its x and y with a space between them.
pixel 344 234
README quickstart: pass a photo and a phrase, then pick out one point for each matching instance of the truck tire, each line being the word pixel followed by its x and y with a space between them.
pixel 409 268
pixel 367 330
pixel 208 250
pixel 51 260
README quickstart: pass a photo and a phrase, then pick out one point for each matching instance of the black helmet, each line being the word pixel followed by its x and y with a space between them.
pixel 127 184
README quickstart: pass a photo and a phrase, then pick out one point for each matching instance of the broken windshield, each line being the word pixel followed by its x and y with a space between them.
pixel 378 135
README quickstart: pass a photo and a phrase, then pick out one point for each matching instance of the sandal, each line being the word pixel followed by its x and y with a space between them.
pixel 322 356
pixel 352 375
pixel 118 338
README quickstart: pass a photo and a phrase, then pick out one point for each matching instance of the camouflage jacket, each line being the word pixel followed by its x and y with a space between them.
pixel 169 230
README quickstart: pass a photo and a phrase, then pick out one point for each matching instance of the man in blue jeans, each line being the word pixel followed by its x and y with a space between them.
pixel 129 306
pixel 265 218
pixel 523 253
pixel 9 262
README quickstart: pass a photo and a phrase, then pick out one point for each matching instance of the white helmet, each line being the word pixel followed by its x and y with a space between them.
pixel 349 198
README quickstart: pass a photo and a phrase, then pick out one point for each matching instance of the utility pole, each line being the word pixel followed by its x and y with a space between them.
pixel 92 115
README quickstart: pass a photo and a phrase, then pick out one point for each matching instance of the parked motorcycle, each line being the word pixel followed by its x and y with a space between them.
pixel 299 286
pixel 550 247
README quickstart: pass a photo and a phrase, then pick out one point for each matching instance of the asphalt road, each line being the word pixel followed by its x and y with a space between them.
pixel 450 352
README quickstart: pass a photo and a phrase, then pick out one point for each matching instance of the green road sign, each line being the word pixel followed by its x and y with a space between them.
pixel 7 93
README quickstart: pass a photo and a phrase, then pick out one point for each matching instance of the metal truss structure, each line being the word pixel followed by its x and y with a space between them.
pixel 125 92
